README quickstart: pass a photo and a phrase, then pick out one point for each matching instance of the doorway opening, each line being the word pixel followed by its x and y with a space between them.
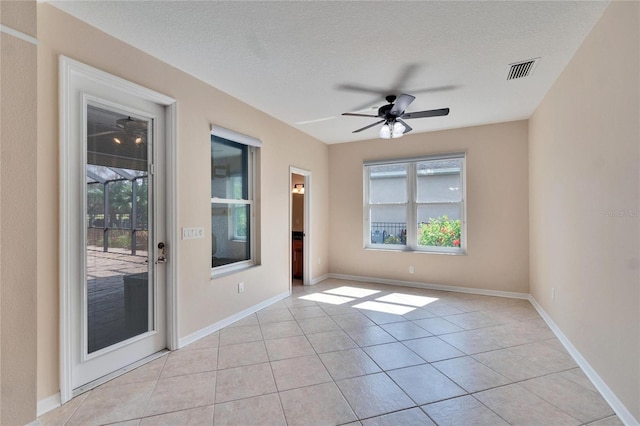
pixel 299 182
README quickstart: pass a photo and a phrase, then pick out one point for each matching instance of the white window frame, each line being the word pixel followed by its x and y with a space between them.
pixel 412 205
pixel 253 145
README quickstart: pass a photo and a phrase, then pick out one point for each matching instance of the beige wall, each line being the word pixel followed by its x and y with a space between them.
pixel 18 231
pixel 584 202
pixel 497 212
pixel 202 301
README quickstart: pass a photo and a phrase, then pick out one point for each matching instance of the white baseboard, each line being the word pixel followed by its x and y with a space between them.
pixel 621 411
pixel 415 284
pixel 49 403
pixel 321 278
pixel 184 341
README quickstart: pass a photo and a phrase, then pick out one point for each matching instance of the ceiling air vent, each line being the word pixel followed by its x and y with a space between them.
pixel 522 69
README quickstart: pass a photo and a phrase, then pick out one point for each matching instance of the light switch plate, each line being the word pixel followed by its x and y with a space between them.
pixel 192 233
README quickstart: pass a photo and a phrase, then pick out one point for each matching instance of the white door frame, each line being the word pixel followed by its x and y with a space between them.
pixel 306 240
pixel 67 69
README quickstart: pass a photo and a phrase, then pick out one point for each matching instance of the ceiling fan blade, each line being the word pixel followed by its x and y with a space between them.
pixel 379 100
pixel 430 113
pixel 368 127
pixel 407 128
pixel 353 114
pixel 406 74
pixel 435 89
pixel 401 104
pixel 361 89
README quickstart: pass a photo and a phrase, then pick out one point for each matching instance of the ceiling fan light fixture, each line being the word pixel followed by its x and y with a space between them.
pixel 398 130
pixel 385 132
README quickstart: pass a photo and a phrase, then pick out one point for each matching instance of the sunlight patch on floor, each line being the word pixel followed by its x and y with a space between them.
pixel 352 291
pixel 327 298
pixel 387 308
pixel 407 299
pixel 394 303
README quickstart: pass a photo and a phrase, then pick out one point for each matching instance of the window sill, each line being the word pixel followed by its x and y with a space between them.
pixel 223 271
pixel 409 250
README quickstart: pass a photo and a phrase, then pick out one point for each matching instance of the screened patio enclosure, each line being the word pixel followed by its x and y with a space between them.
pixel 117 249
pixel 117 207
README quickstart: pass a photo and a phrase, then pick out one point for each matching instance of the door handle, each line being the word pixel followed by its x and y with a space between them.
pixel 162 253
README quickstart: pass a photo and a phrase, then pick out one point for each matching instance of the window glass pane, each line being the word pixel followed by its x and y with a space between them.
pixel 439 225
pixel 388 224
pixel 229 171
pixel 433 201
pixel 230 226
pixel 439 180
pixel 240 214
pixel 388 184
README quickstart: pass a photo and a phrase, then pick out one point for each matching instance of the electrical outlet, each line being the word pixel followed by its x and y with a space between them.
pixel 319 261
pixel 411 270
pixel 240 287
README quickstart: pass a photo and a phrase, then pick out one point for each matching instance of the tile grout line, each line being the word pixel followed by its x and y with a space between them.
pixel 155 385
pixel 79 405
pixel 483 311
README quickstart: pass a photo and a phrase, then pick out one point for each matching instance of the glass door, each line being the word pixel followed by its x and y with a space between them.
pixel 119 283
pixel 114 252
pixel 119 306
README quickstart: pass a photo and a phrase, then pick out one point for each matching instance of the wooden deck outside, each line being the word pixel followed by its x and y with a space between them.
pixel 106 274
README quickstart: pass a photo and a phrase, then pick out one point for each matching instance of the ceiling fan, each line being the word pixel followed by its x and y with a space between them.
pixel 130 128
pixel 393 114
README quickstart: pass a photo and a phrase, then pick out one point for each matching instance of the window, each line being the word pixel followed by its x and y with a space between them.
pixel 233 221
pixel 415 204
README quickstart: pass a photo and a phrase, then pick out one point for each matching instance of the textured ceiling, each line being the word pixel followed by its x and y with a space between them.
pixel 301 62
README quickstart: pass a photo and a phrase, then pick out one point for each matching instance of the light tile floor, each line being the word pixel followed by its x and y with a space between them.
pixel 342 352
